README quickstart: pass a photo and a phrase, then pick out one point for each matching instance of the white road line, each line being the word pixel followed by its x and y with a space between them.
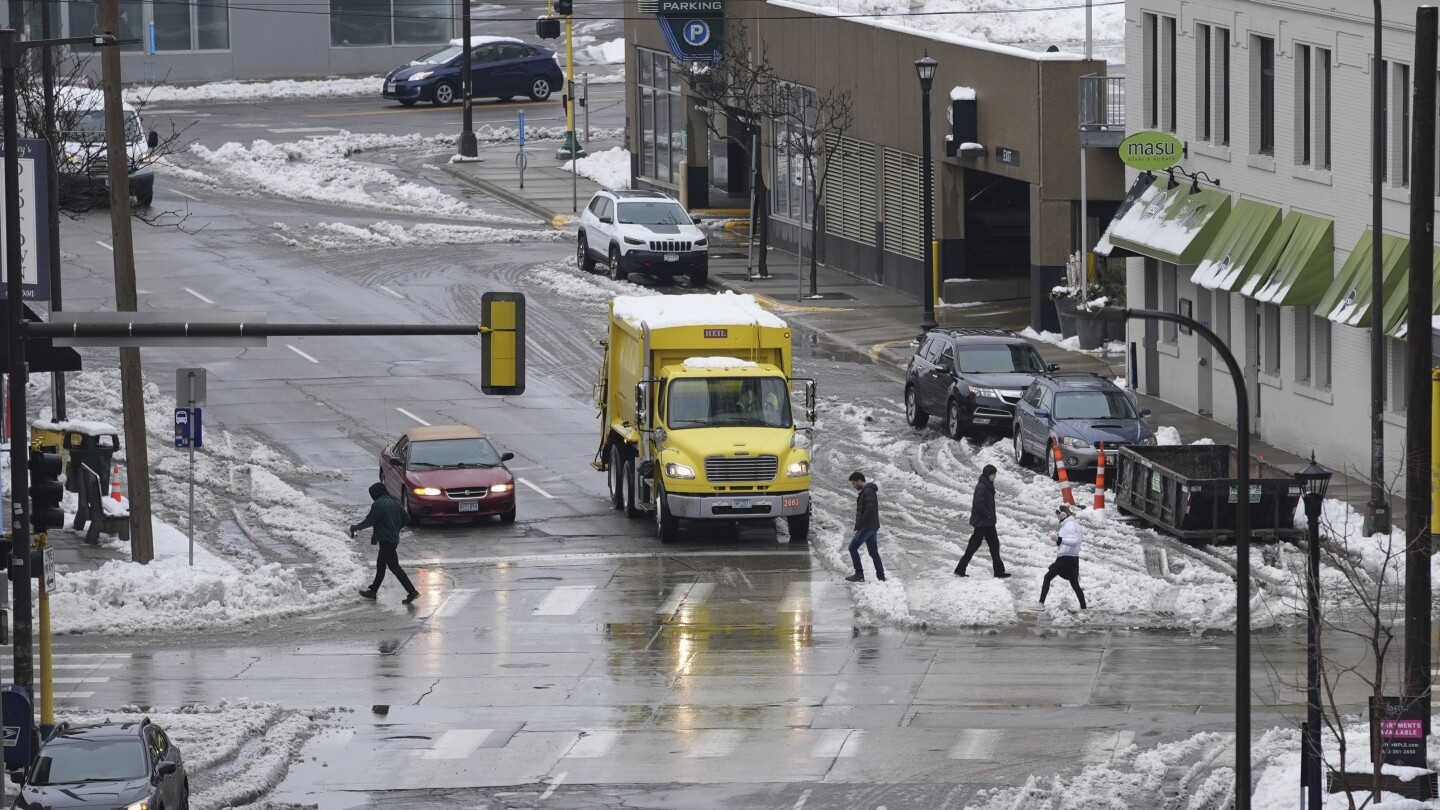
pixel 976 743
pixel 594 743
pixel 1102 746
pixel 456 602
pixel 598 556
pixel 203 298
pixel 800 802
pixel 92 655
pixel 190 197
pixel 527 483
pixel 87 679
pixel 85 666
pixel 677 594
pixel 457 744
pixel 716 742
pixel 554 783
pixel 689 595
pixel 413 416
pixel 288 130
pixel 105 245
pixel 74 695
pixel 564 600
pixel 302 354
pixel 392 292
pixel 799 596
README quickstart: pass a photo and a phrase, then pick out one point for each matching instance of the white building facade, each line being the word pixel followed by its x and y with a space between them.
pixel 1273 101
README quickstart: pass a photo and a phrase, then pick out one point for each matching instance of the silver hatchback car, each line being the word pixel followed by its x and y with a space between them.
pixel 1076 412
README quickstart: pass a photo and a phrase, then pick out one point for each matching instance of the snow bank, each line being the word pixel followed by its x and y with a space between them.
pixel 603 53
pixel 565 280
pixel 327 236
pixel 665 311
pixel 610 168
pixel 718 362
pixel 255 91
pixel 1167 435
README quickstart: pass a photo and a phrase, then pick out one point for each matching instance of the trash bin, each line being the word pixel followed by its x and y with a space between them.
pixel 94 450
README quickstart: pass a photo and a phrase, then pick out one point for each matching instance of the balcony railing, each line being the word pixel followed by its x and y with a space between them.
pixel 1102 103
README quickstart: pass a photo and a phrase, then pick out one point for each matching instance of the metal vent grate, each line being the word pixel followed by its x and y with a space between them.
pixel 904 232
pixel 746 468
pixel 850 196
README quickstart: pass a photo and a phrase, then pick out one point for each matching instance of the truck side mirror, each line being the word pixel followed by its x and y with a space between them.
pixel 642 404
pixel 153 139
pixel 1041 413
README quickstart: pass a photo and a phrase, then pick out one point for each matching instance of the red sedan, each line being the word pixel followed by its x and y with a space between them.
pixel 449 472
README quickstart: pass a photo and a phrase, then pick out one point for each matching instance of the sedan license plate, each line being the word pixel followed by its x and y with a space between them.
pixel 672 257
pixel 792 502
pixel 390 88
pixel 740 503
pixel 469 506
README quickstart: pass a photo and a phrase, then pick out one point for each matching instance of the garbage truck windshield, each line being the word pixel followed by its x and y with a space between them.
pixel 90 126
pixel 728 401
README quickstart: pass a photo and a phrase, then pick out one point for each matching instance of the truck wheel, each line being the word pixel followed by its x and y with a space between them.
pixel 616 271
pixel 667 525
pixel 1021 457
pixel 913 414
pixel 632 497
pixel 953 426
pixel 799 527
pixel 616 476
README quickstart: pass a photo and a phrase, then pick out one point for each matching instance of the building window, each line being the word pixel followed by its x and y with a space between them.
pixel 662 121
pixel 1303 107
pixel 389 22
pixel 1169 302
pixel 1384 94
pixel 85 17
pixel 1203 74
pixel 1401 105
pixel 1322 108
pixel 1160 71
pixel 1168 29
pixel 34 20
pixel 1312 106
pixel 1264 97
pixel 1222 316
pixel 1399 387
pixel 1304 342
pixel 1321 340
pixel 1222 80
pixel 199 25
pixel 1270 338
pixel 793 146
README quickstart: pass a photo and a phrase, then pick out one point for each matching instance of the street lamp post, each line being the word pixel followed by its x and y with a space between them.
pixel 925 68
pixel 1242 534
pixel 1313 480
pixel 468 147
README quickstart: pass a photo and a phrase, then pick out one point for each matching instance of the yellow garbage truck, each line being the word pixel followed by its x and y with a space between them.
pixel 696 421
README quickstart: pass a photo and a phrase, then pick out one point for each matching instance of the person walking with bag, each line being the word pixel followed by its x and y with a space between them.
pixel 982 517
pixel 1067 557
pixel 867 527
pixel 387 517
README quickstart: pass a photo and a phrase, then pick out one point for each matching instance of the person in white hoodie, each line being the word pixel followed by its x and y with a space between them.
pixel 1068 541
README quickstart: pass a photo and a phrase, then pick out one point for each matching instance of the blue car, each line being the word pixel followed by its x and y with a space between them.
pixel 501 67
pixel 1076 412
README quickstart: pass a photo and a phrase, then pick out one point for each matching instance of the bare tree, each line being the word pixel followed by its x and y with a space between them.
pixel 733 96
pixel 811 126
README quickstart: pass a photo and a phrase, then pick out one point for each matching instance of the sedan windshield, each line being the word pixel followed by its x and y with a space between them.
pixel 108 761
pixel 438 453
pixel 1093 405
pixel 439 56
pixel 653 213
pixel 1018 359
pixel 730 401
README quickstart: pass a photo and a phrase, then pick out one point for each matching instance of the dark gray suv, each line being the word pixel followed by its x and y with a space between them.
pixel 127 765
pixel 1076 411
pixel 970 377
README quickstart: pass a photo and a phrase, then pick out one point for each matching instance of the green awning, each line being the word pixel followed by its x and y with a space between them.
pixel 1347 299
pixel 1302 255
pixel 1173 225
pixel 1103 247
pixel 1397 306
pixel 1231 257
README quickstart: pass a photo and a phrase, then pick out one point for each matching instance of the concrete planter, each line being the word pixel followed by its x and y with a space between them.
pixel 1065 310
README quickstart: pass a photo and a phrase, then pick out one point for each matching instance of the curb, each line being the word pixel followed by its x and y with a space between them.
pixel 506 195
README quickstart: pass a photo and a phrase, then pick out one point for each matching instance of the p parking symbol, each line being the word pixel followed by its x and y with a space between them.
pixel 697 33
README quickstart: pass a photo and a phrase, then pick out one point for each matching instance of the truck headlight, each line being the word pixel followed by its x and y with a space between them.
pixel 630 240
pixel 425 491
pixel 674 470
pixel 1071 441
pixel 798 469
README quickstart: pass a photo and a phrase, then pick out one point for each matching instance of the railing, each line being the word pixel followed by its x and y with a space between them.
pixel 1102 103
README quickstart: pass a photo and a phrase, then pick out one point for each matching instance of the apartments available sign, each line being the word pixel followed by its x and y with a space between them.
pixel 1403 728
pixel 694 29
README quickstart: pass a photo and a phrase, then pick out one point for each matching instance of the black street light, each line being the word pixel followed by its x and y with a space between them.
pixel 1313 481
pixel 1242 534
pixel 925 68
pixel 468 147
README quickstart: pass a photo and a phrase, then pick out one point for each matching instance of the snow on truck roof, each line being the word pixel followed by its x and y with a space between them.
pixel 665 311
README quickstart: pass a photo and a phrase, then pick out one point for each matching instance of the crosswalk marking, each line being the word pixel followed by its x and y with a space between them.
pixel 838 742
pixel 715 742
pixel 85 666
pixel 564 600
pixel 72 695
pixel 456 602
pixel 1102 746
pixel 457 744
pixel 976 743
pixel 594 743
pixel 800 597
pixel 91 655
pixel 690 594
pixel 87 679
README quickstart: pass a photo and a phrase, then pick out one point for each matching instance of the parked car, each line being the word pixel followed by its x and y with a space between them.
pixel 448 472
pixel 84 168
pixel 1078 411
pixel 971 377
pixel 129 765
pixel 642 232
pixel 501 67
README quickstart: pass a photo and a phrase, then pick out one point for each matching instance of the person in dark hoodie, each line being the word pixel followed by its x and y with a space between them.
pixel 982 517
pixel 387 517
pixel 867 527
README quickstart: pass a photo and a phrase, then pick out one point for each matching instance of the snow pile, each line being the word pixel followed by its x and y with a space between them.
pixel 610 168
pixel 87 427
pixel 666 311
pixel 718 362
pixel 1167 435
pixel 256 91
pixel 564 279
pixel 962 93
pixel 1071 344
pixel 327 236
pixel 602 53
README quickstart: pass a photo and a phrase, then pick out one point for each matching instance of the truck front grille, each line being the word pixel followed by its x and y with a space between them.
pixel 742 468
pixel 669 246
pixel 467 492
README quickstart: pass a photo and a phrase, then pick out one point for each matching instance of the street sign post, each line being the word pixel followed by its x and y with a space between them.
pixel 190 389
pixel 47 565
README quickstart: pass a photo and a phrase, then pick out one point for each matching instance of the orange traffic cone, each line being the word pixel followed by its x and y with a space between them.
pixel 1064 477
pixel 1100 480
pixel 115 484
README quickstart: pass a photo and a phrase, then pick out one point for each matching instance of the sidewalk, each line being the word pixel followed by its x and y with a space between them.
pixel 874 321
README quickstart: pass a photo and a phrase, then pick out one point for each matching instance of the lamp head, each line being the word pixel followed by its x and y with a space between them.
pixel 1313 478
pixel 1173 182
pixel 925 68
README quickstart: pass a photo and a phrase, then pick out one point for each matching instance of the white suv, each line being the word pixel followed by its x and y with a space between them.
pixel 642 232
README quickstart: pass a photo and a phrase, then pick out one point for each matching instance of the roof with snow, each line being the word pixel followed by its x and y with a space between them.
pixel 665 311
pixel 77 426
pixel 477 40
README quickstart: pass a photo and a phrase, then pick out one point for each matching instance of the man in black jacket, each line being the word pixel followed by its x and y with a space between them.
pixel 867 527
pixel 982 517
pixel 387 517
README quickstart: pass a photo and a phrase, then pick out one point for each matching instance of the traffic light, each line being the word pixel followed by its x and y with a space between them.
pixel 547 28
pixel 502 343
pixel 564 8
pixel 46 491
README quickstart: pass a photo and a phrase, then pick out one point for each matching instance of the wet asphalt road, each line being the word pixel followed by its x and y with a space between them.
pixel 567 660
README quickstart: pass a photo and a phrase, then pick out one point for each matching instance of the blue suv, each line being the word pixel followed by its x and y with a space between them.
pixel 1076 411
pixel 501 67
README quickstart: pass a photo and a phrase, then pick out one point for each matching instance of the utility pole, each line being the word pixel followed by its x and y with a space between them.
pixel 1377 519
pixel 468 146
pixel 52 179
pixel 132 392
pixel 1419 402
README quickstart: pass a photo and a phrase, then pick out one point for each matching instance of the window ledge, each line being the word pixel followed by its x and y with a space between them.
pixel 1309 175
pixel 1210 150
pixel 1168 348
pixel 1308 391
pixel 1265 163
pixel 1395 419
pixel 1399 194
pixel 1270 380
